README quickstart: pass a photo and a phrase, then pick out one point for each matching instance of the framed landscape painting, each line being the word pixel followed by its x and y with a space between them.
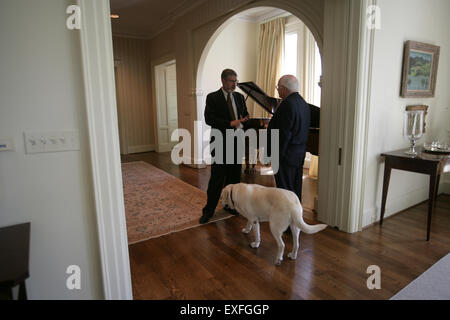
pixel 420 65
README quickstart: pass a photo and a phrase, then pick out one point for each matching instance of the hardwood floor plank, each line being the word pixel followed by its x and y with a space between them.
pixel 215 261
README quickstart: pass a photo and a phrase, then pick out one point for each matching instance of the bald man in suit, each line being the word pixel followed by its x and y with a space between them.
pixel 292 118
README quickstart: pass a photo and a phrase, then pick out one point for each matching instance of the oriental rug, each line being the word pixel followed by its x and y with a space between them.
pixel 157 203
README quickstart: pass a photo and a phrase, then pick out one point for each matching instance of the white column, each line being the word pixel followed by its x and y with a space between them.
pixel 98 70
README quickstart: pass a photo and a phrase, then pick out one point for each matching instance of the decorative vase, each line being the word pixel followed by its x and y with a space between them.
pixel 413 129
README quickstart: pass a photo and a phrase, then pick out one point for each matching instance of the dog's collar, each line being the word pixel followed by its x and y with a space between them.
pixel 231 197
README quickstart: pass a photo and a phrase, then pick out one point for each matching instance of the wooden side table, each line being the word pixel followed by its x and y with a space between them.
pixel 14 255
pixel 432 164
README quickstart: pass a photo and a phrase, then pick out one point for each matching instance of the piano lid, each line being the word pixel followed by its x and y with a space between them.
pixel 315 116
pixel 257 94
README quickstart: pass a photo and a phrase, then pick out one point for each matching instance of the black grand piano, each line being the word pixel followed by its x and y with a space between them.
pixel 270 104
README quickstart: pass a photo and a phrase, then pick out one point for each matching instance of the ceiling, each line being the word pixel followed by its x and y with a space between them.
pixel 147 18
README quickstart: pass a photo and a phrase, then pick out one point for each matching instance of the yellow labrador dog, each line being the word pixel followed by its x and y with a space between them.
pixel 278 206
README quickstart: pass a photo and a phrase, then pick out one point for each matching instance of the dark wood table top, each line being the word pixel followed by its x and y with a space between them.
pixel 421 155
pixel 14 254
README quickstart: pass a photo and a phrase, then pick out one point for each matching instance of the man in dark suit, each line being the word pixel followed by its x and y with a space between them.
pixel 225 109
pixel 292 119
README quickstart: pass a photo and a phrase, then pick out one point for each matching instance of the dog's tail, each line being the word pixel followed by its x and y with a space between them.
pixel 297 217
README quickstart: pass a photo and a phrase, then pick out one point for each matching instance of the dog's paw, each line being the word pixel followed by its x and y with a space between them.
pixel 278 262
pixel 246 231
pixel 292 255
pixel 255 244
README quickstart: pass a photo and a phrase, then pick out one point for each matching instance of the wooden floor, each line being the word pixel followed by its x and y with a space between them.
pixel 199 177
pixel 215 261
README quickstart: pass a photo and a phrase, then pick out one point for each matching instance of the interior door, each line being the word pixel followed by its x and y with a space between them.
pixel 171 101
pixel 167 108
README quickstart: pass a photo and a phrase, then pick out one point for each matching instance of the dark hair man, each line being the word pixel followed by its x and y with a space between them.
pixel 225 109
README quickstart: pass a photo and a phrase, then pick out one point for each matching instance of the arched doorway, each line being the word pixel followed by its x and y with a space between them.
pixel 311 13
pixel 347 47
pixel 301 57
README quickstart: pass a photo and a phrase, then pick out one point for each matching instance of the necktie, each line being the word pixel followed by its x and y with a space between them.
pixel 230 107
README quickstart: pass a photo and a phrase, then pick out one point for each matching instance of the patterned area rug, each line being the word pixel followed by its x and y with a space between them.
pixel 157 203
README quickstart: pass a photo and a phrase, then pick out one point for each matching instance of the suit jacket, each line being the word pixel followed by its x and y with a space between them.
pixel 292 119
pixel 218 116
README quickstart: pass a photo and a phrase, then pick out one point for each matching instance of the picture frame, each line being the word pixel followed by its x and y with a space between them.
pixel 420 66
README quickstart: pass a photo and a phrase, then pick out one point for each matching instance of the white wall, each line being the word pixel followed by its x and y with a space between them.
pixel 402 20
pixel 235 48
pixel 41 89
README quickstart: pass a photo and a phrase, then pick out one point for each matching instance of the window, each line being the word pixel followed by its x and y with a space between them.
pixel 317 74
pixel 302 59
pixel 290 54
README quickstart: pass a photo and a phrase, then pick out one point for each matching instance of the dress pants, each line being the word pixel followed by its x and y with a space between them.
pixel 221 175
pixel 290 178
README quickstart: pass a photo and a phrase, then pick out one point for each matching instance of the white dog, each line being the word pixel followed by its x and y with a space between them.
pixel 280 207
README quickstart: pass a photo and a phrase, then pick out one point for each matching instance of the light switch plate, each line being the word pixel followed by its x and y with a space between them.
pixel 52 141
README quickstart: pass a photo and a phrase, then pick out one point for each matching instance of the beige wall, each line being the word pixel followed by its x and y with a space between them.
pixel 187 39
pixel 236 48
pixel 387 107
pixel 134 95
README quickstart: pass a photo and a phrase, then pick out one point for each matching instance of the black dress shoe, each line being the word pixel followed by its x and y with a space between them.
pixel 205 217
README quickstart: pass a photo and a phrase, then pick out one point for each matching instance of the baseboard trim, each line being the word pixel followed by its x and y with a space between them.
pixel 394 206
pixel 143 148
pixel 191 163
pixel 195 166
pixel 444 188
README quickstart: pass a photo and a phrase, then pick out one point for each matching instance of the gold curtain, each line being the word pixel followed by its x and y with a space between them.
pixel 271 43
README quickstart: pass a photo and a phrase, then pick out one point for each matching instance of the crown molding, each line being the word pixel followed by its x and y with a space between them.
pixel 175 14
pixel 163 27
pixel 184 8
pixel 262 16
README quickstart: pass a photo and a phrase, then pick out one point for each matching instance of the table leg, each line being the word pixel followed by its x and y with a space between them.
pixel 386 179
pixel 431 200
pixel 22 291
pixel 437 188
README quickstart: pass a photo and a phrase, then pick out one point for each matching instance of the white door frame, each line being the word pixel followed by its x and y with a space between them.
pixel 99 84
pixel 98 70
pixel 348 50
pixel 120 115
pixel 153 64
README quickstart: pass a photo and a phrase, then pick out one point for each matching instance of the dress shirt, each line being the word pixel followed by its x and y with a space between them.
pixel 234 106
